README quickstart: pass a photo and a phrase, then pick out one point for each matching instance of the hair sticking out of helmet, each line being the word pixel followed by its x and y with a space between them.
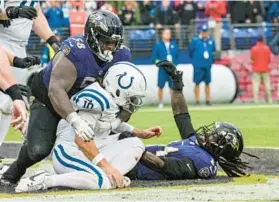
pixel 104 34
pixel 224 141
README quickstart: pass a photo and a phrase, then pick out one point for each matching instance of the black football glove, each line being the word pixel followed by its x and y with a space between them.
pixel 26 62
pixel 176 75
pixel 21 12
pixel 25 90
pixel 5 23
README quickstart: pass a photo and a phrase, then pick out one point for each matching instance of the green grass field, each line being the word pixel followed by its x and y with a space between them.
pixel 260 126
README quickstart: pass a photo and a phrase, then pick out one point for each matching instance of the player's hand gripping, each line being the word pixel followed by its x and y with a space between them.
pixel 26 62
pixel 80 126
pixel 21 12
pixel 149 133
pixel 19 114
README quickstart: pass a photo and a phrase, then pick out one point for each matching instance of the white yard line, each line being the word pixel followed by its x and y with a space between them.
pixel 210 108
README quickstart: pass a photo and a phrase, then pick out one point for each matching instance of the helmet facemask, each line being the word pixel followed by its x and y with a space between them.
pixel 218 142
pixel 97 41
pixel 133 103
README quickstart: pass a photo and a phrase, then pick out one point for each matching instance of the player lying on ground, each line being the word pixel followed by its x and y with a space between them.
pixel 197 154
pixel 83 165
pixel 9 87
pixel 81 56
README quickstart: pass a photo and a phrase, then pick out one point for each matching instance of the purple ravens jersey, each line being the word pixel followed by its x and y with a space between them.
pixel 77 51
pixel 203 161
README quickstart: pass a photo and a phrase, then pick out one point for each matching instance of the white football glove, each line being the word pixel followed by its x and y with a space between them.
pixel 102 126
pixel 81 127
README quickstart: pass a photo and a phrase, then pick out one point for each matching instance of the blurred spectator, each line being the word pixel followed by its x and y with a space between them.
pixel 237 11
pixel 66 7
pixel 48 51
pixel 147 10
pixel 164 49
pixel 260 59
pixel 253 11
pixel 186 11
pixel 215 10
pixel 54 15
pixel 200 14
pixel 201 50
pixel 77 4
pixel 90 6
pixel 108 7
pixel 273 12
pixel 165 15
pixel 127 14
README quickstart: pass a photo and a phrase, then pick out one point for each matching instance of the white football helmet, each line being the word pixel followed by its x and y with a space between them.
pixel 127 85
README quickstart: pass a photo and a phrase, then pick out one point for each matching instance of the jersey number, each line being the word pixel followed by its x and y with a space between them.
pixel 88 104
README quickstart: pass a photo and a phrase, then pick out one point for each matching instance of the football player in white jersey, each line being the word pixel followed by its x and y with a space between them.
pixel 102 162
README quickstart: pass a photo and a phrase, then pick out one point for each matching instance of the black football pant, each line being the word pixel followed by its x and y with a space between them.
pixel 41 133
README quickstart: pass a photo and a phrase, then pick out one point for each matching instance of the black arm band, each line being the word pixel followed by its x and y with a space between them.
pixel 18 62
pixel 14 92
pixel 51 40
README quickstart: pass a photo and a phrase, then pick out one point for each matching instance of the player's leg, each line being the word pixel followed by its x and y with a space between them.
pixel 197 78
pixel 123 154
pixel 40 140
pixel 69 161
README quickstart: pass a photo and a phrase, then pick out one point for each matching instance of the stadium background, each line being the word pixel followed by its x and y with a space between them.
pixel 237 38
pixel 259 123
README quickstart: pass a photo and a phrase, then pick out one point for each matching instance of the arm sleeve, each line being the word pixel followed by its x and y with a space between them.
pixel 191 48
pixel 184 125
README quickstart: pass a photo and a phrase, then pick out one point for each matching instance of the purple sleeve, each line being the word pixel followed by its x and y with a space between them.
pixel 124 54
pixel 74 54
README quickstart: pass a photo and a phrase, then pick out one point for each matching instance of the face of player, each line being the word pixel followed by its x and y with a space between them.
pixel 107 44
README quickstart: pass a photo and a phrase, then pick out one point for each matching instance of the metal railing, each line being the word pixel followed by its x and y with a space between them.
pixel 141 39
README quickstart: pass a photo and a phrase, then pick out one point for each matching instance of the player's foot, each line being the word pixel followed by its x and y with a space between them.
pixel 160 105
pixel 33 183
pixel 6 186
pixel 197 103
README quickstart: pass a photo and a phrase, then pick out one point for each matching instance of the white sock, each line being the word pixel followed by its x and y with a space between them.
pixel 76 180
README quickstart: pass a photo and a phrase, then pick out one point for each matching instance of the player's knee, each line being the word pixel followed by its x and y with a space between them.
pixel 106 183
pixel 39 152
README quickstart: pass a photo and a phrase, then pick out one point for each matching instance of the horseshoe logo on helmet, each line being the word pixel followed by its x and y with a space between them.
pixel 119 81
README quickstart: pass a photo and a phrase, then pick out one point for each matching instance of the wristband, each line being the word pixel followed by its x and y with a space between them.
pixel 98 158
pixel 51 40
pixel 18 62
pixel 14 92
pixel 71 117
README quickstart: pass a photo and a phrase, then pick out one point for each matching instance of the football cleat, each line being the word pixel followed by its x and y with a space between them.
pixel 33 183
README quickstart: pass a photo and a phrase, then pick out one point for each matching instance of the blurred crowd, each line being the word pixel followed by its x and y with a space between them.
pixel 165 12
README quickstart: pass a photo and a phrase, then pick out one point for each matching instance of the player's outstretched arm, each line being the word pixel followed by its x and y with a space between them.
pixel 91 152
pixel 42 29
pixel 178 102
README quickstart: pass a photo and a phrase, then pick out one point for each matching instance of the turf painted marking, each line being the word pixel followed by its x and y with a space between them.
pixel 211 108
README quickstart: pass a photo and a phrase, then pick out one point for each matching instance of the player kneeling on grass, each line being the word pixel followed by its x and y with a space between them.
pixel 102 162
pixel 197 154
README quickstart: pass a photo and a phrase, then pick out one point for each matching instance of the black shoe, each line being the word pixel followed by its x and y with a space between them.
pixel 208 103
pixel 6 186
pixel 197 103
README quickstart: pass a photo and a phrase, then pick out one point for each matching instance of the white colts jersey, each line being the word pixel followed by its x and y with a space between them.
pixel 15 37
pixel 92 103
